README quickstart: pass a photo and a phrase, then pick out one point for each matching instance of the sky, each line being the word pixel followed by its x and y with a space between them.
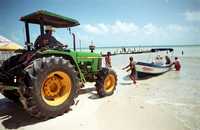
pixel 110 22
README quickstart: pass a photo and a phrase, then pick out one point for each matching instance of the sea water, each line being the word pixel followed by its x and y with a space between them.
pixel 178 92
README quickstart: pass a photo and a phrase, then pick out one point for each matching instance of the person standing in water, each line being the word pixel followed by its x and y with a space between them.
pixel 131 67
pixel 177 64
pixel 182 52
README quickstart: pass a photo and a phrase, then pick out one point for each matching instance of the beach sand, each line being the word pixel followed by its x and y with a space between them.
pixel 131 107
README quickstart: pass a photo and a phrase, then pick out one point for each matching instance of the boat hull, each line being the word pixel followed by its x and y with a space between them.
pixel 150 69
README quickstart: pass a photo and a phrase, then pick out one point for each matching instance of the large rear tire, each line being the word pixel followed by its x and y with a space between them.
pixel 106 82
pixel 51 87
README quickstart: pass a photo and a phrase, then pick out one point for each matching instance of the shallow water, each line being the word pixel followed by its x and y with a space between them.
pixel 179 92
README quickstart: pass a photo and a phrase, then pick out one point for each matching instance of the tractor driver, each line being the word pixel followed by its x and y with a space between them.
pixel 47 40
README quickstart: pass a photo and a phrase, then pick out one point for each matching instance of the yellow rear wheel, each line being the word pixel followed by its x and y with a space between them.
pixel 56 88
pixel 52 86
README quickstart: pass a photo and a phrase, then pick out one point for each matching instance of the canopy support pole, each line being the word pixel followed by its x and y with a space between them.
pixel 41 27
pixel 27 35
pixel 74 41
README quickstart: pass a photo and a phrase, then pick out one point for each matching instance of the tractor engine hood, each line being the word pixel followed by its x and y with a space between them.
pixel 87 55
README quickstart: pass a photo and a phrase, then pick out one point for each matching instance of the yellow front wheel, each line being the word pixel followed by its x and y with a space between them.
pixel 106 82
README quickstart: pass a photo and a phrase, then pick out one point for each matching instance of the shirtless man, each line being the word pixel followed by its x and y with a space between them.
pixel 131 67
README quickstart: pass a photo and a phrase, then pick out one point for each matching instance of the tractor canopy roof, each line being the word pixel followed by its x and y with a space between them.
pixel 49 18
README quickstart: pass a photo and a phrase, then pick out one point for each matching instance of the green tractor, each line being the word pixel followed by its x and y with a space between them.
pixel 46 81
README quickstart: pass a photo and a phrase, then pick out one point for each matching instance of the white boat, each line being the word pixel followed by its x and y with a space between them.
pixel 151 69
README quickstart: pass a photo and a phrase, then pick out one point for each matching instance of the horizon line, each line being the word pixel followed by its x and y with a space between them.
pixel 120 46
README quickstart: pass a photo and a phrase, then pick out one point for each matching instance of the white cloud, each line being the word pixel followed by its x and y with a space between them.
pixel 121 32
pixel 150 29
pixel 92 29
pixel 131 28
pixel 103 27
pixel 4 40
pixel 175 27
pixel 192 15
pixel 123 27
pixel 115 28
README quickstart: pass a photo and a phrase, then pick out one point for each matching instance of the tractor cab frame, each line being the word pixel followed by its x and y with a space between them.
pixel 44 18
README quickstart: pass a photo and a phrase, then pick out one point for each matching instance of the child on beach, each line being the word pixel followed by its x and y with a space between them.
pixel 108 60
pixel 131 67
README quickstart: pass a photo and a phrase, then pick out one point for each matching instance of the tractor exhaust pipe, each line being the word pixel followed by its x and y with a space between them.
pixel 74 41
